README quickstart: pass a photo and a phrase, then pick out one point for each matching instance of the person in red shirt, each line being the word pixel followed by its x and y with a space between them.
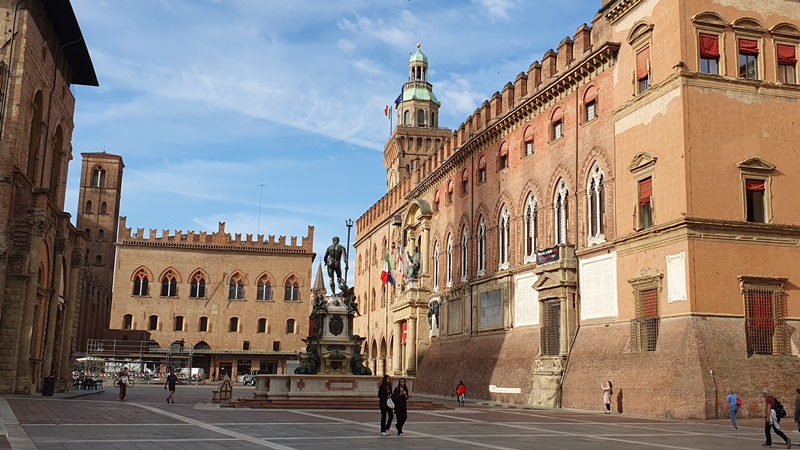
pixel 461 391
pixel 771 421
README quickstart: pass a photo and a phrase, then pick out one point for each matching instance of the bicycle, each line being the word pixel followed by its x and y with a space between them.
pixel 131 382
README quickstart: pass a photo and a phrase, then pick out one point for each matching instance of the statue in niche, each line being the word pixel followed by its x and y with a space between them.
pixel 433 317
pixel 414 264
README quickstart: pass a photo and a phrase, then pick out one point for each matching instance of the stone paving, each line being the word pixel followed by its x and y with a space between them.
pixel 145 421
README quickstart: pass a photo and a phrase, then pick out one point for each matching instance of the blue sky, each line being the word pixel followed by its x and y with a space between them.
pixel 207 99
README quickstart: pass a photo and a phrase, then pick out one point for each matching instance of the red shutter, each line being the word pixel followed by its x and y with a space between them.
pixel 642 62
pixel 405 332
pixel 558 114
pixel 709 46
pixel 504 149
pixel 787 55
pixel 748 47
pixel 645 191
pixel 755 185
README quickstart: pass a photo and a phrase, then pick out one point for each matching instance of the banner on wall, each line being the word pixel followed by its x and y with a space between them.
pixel 405 332
pixel 547 255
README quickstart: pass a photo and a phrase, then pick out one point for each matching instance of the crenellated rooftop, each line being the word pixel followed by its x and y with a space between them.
pixel 577 58
pixel 219 240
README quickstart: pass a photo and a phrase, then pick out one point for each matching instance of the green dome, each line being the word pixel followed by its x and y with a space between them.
pixel 419 57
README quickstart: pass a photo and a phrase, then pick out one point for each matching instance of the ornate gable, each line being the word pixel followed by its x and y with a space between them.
pixel 756 164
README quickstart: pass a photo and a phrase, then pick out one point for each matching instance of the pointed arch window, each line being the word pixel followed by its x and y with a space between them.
pixel 531 227
pixel 236 287
pixel 169 285
pixel 264 292
pixel 596 203
pixel 561 210
pixel 103 208
pixel 449 268
pixel 99 177
pixel 503 238
pixel 481 257
pixel 292 290
pixel 262 325
pixel 197 287
pixel 140 284
pixel 464 253
pixel 436 272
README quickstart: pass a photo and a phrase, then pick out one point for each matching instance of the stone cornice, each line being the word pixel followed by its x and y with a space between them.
pixel 586 70
pixel 615 11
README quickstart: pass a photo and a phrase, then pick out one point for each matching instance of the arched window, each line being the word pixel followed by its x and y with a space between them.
pixel 503 237
pixel 140 284
pixel 101 235
pixel 103 208
pixel 434 121
pixel 481 170
pixel 99 177
pixel 178 323
pixel 450 192
pixel 465 182
pixel 502 156
pixel 98 260
pixel 203 324
pixel 420 118
pixel 88 234
pixel 481 260
pixel 152 323
pixel 290 326
pixel 88 208
pixel 292 290
pixel 561 212
pixel 35 140
pixel 464 253
pixel 127 322
pixel 436 267
pixel 236 287
pixel 531 227
pixel 197 287
pixel 596 203
pixel 264 289
pixel 169 285
pixel 233 325
pixel 406 117
pixel 262 325
pixel 449 268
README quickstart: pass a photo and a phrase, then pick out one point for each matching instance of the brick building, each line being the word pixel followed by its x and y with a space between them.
pixel 620 211
pixel 43 269
pixel 240 303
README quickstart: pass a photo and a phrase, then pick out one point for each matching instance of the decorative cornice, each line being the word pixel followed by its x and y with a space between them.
pixel 616 11
pixel 592 65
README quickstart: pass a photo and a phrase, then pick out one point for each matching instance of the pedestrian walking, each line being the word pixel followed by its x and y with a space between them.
pixel 772 420
pixel 387 409
pixel 797 409
pixel 214 376
pixel 400 397
pixel 608 391
pixel 733 406
pixel 461 391
pixel 123 383
pixel 171 380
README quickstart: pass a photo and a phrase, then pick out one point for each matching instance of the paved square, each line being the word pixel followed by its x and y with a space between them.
pixel 145 421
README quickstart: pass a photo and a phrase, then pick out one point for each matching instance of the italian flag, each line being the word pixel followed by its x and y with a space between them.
pixel 386 274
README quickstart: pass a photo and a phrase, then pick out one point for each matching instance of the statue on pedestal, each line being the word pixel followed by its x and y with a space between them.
pixel 333 257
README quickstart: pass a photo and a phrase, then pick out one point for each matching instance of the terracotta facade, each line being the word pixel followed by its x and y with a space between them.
pixel 241 302
pixel 621 211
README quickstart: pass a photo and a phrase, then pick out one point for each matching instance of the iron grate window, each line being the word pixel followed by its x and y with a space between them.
pixel 551 328
pixel 644 328
pixel 765 320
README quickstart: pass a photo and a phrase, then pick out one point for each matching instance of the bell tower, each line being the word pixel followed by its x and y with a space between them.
pixel 417 135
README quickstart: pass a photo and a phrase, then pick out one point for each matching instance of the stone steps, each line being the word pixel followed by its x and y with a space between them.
pixel 327 403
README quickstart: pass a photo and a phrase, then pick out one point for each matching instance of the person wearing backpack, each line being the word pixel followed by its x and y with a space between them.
pixel 773 414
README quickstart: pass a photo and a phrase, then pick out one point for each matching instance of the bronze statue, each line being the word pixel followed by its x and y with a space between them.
pixel 414 264
pixel 312 363
pixel 433 313
pixel 333 257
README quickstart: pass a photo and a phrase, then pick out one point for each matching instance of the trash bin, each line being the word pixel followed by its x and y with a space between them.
pixel 49 386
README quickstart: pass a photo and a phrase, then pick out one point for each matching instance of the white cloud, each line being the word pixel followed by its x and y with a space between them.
pixel 497 9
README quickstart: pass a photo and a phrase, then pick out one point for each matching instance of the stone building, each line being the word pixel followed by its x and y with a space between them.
pixel 620 211
pixel 42 256
pixel 240 303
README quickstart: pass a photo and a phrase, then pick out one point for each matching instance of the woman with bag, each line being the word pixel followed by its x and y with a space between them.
pixel 386 404
pixel 400 397
pixel 608 391
pixel 734 402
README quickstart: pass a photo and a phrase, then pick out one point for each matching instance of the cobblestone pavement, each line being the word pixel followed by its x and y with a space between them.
pixel 145 421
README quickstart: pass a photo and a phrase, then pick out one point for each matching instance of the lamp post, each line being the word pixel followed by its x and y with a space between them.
pixel 349 224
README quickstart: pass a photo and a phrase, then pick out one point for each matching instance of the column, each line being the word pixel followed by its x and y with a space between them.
pixel 397 359
pixel 52 314
pixel 411 347
pixel 381 367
